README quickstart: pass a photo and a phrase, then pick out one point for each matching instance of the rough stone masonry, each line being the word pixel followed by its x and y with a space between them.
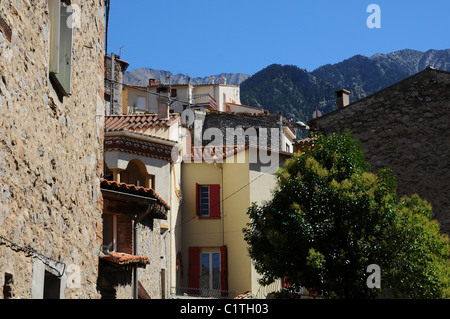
pixel 50 153
pixel 405 127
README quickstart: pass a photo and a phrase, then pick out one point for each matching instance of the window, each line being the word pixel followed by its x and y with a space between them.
pixel 208 200
pixel 141 103
pixel 162 90
pixel 207 270
pixel 210 271
pixel 52 285
pixel 151 181
pixel 109 232
pixel 204 201
pixel 8 287
pixel 61 46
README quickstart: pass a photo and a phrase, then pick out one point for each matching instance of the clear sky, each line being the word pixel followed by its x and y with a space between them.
pixel 207 37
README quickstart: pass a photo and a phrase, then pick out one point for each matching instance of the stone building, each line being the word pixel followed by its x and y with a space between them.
pixel 51 147
pixel 133 242
pixel 404 127
pixel 114 70
pixel 139 152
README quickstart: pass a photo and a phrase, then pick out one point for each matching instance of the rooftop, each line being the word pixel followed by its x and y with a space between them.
pixel 137 123
pixel 132 190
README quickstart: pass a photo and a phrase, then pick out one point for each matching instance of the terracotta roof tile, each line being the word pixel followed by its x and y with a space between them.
pixel 305 140
pixel 125 259
pixel 136 146
pixel 133 189
pixel 137 123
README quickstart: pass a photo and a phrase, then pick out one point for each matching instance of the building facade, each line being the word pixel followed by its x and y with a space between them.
pixel 51 150
pixel 221 178
pixel 404 127
pixel 141 99
pixel 139 153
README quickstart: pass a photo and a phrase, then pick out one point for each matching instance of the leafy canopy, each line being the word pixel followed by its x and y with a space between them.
pixel 330 218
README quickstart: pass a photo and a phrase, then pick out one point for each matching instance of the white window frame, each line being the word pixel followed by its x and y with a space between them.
pixel 209 200
pixel 210 273
pixel 38 280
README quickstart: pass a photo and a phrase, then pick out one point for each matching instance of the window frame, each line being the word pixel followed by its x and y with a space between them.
pixel 201 194
pixel 214 201
pixel 61 45
pixel 113 228
pixel 210 275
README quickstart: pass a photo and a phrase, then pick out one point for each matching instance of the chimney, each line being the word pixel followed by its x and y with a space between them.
pixel 151 82
pixel 163 108
pixel 343 98
pixel 211 79
pixel 223 81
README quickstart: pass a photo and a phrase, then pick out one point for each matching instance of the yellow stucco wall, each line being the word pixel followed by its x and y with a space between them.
pixel 237 193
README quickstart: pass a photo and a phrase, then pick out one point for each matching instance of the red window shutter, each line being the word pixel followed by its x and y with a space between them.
pixel 223 270
pixel 197 199
pixel 194 270
pixel 214 200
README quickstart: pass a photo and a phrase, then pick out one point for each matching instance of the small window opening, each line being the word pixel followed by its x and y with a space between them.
pixel 8 287
pixel 51 286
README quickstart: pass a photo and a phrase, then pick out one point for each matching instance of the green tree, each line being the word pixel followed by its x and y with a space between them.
pixel 330 218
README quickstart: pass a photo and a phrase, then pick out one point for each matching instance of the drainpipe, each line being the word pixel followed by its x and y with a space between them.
pixel 135 248
pixel 281 130
pixel 222 215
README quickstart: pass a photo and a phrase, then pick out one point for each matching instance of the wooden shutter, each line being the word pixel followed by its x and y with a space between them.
pixel 194 270
pixel 223 270
pixel 64 75
pixel 55 18
pixel 197 199
pixel 214 200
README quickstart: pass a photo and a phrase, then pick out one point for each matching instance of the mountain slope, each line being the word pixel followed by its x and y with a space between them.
pixel 140 77
pixel 298 92
pixel 287 88
pixel 290 89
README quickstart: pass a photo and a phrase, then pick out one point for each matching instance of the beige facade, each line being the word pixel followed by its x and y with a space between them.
pixel 242 181
pixel 51 133
pixel 140 99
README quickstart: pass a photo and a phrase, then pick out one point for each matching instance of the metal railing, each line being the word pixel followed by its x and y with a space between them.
pixel 194 293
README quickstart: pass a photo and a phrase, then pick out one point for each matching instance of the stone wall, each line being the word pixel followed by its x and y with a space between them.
pixel 50 151
pixel 156 247
pixel 119 69
pixel 405 127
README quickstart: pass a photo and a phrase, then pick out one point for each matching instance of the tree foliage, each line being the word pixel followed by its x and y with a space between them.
pixel 330 218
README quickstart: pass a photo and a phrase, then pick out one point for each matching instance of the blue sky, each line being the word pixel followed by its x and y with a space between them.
pixel 206 37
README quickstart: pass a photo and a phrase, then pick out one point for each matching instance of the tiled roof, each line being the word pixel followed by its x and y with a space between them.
pixel 132 189
pixel 137 123
pixel 132 145
pixel 305 140
pixel 245 295
pixel 213 153
pixel 125 259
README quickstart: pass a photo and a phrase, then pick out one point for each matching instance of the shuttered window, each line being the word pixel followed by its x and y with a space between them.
pixel 207 271
pixel 208 200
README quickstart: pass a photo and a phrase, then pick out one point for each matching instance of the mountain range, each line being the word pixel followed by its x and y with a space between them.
pixel 298 92
pixel 140 77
